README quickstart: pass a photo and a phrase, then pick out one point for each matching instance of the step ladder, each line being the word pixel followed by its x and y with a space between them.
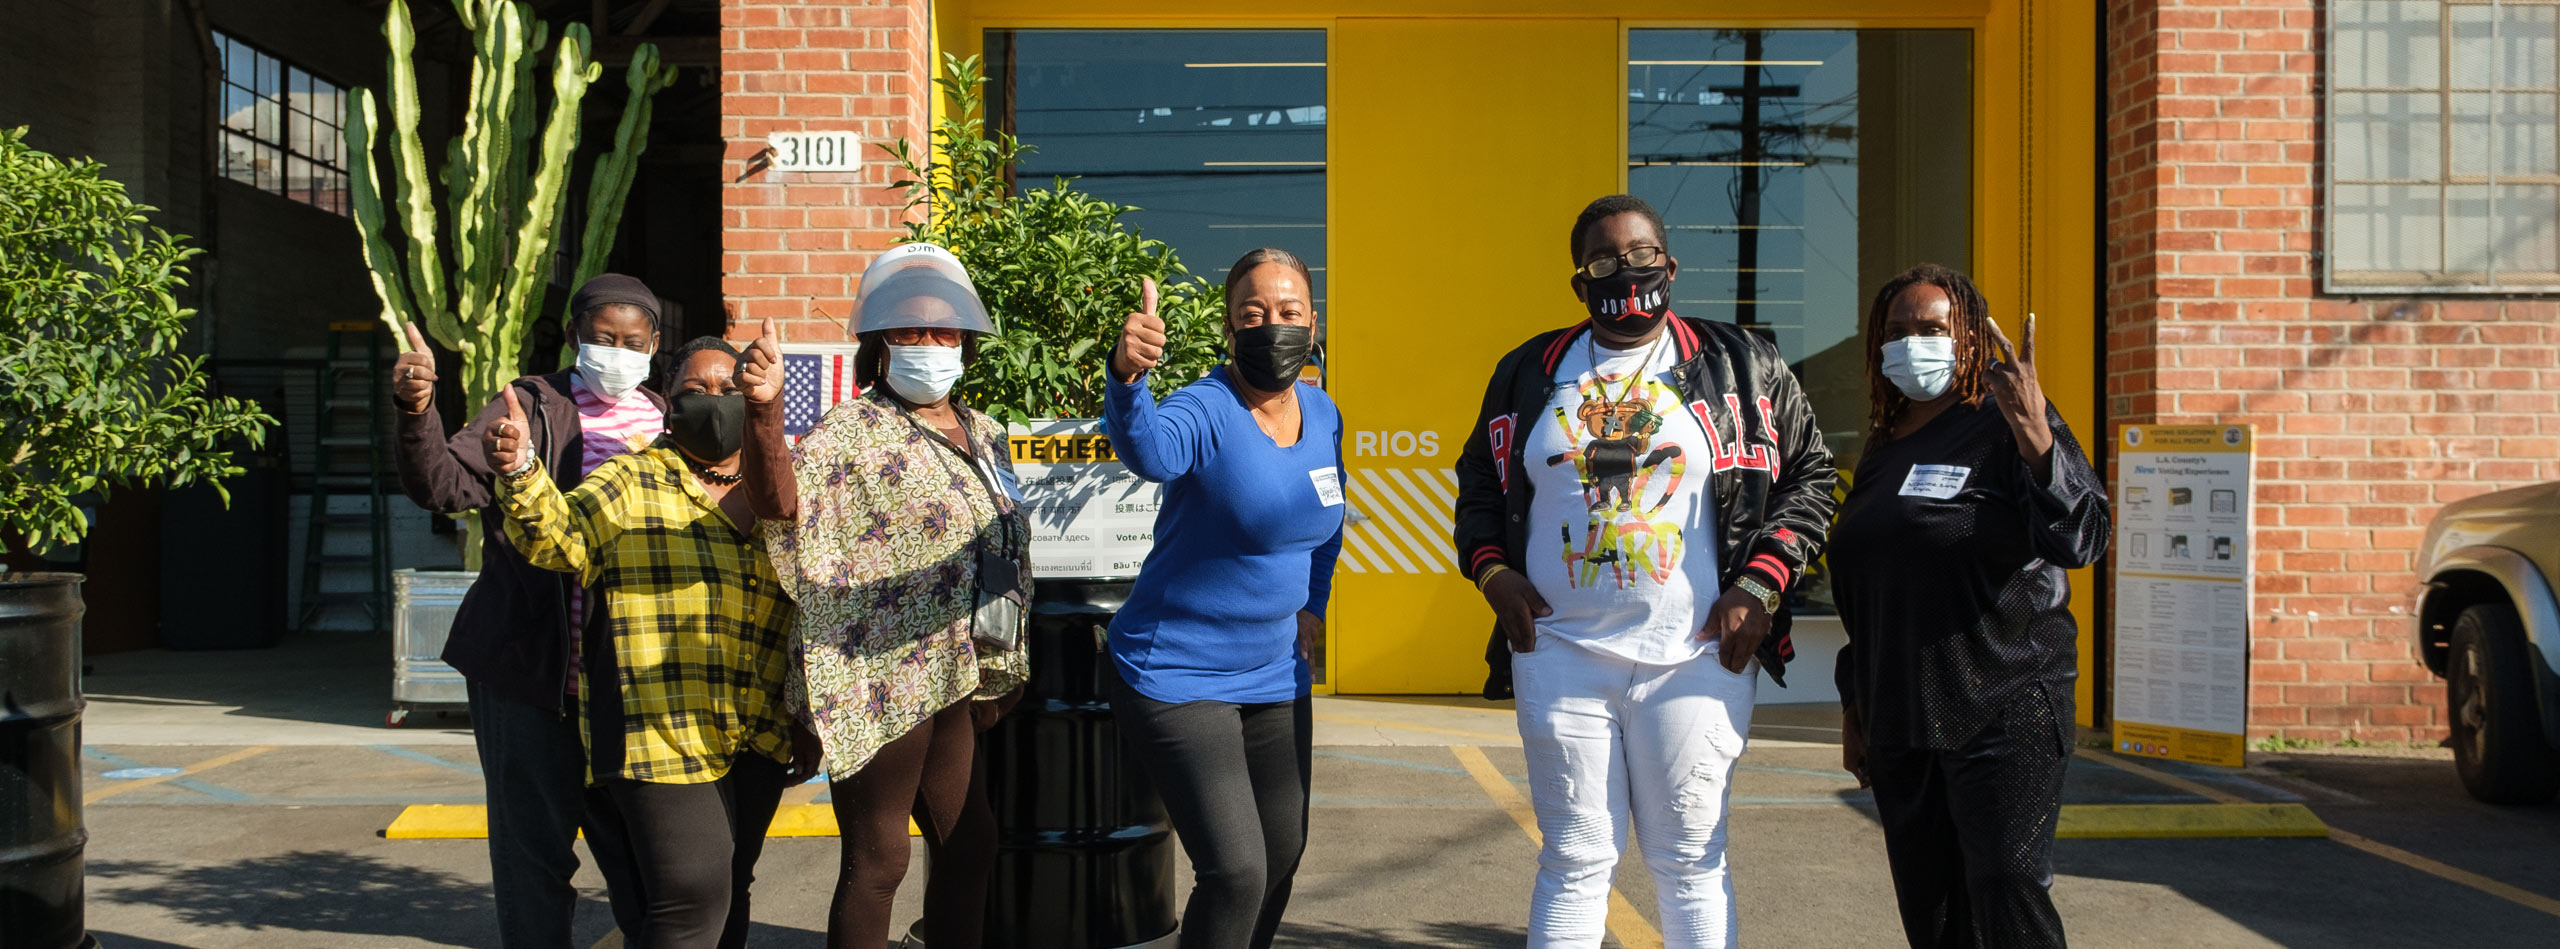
pixel 347 461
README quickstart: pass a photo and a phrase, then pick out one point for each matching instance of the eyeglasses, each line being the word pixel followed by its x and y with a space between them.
pixel 922 336
pixel 1645 256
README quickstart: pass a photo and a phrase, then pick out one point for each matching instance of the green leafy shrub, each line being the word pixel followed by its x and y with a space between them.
pixel 1056 267
pixel 94 394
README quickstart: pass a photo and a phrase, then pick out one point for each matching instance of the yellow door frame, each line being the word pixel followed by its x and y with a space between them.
pixel 2035 73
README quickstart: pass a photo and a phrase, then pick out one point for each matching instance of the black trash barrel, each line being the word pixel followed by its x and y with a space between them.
pixel 40 834
pixel 1085 852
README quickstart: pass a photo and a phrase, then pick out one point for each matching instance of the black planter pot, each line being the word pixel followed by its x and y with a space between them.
pixel 1085 852
pixel 41 837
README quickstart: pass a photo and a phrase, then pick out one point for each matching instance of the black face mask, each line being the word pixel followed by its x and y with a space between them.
pixel 709 427
pixel 1268 357
pixel 1630 302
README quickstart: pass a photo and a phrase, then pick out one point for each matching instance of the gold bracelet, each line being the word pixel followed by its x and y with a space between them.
pixel 1488 575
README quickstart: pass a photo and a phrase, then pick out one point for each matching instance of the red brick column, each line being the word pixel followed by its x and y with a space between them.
pixel 793 244
pixel 2371 412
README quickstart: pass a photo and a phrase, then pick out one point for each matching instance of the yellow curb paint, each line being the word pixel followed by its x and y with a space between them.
pixel 207 764
pixel 1426 729
pixel 2442 871
pixel 1629 926
pixel 471 822
pixel 2118 821
pixel 439 822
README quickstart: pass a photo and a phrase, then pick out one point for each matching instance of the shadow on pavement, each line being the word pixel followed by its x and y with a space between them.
pixel 122 941
pixel 1425 936
pixel 306 891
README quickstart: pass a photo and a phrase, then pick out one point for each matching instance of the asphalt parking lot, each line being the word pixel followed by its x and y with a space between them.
pixel 1415 844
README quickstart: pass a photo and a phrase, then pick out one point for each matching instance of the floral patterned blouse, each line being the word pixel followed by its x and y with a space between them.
pixel 883 564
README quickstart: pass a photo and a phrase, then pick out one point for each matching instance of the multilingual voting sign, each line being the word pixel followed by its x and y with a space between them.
pixel 2182 591
pixel 1090 517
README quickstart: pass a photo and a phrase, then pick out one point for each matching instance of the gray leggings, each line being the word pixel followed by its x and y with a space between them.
pixel 1234 779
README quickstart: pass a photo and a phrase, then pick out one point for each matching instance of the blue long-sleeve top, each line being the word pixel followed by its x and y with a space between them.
pixel 1246 537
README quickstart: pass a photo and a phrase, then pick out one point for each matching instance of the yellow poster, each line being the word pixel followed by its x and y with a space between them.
pixel 2182 592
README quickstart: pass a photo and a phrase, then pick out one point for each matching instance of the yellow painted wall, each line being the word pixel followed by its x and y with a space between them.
pixel 1470 132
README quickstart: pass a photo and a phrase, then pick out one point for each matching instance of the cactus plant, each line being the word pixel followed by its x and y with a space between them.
pixel 503 198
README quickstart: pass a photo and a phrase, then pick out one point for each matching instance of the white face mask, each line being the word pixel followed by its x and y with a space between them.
pixel 923 374
pixel 1921 366
pixel 611 371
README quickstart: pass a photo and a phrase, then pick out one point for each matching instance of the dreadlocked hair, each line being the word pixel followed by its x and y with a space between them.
pixel 1974 350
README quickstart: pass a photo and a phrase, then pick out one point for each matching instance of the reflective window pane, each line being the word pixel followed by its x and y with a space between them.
pixel 2388 231
pixel 2528 45
pixel 239 109
pixel 2386 44
pixel 1216 136
pixel 2526 233
pixel 2447 187
pixel 2388 136
pixel 1798 170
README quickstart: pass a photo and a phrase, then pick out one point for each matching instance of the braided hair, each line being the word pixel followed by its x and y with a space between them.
pixel 1974 352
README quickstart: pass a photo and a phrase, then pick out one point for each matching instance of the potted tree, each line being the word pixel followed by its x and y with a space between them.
pixel 505 205
pixel 94 395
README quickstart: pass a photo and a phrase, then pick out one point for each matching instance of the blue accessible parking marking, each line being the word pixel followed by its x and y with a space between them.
pixel 127 774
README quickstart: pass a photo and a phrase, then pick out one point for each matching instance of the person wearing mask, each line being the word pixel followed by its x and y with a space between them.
pixel 898 531
pixel 1970 502
pixel 1211 649
pixel 1636 495
pixel 513 637
pixel 684 718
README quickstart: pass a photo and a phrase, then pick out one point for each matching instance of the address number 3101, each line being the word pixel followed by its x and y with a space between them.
pixel 816 151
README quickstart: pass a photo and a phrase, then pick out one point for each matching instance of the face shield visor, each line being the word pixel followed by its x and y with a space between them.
pixel 918 285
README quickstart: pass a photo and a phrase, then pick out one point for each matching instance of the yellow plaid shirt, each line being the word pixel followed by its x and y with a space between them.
pixel 700 628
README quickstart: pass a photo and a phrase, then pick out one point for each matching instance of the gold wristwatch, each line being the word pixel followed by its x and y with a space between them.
pixel 1768 597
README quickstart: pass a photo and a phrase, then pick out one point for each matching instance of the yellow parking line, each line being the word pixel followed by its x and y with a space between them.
pixel 1627 924
pixel 2214 794
pixel 1427 729
pixel 207 764
pixel 471 822
pixel 2508 892
pixel 2452 874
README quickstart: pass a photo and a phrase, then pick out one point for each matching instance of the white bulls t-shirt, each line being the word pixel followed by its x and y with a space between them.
pixel 1622 528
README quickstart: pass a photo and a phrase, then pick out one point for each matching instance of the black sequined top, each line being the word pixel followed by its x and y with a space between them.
pixel 1950 578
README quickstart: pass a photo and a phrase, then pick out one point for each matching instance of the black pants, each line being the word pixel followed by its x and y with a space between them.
pixel 1969 833
pixel 1234 780
pixel 694 847
pixel 534 767
pixel 934 774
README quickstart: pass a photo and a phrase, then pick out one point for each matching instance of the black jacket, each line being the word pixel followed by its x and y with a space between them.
pixel 1772 473
pixel 511 633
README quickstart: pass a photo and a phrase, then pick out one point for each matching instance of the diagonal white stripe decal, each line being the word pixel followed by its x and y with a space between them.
pixel 1435 509
pixel 1395 534
pixel 1408 524
pixel 1371 533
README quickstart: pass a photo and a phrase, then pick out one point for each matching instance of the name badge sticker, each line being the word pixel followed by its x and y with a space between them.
pixel 1935 481
pixel 1328 485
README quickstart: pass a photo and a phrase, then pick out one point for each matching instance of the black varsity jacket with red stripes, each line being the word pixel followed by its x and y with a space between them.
pixel 1772 474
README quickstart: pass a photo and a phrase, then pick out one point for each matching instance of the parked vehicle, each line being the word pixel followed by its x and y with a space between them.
pixel 2489 623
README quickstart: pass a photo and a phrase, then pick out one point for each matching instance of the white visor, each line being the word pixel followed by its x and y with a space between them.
pixel 918 285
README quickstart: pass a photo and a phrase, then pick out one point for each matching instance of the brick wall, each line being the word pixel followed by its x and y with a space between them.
pixel 794 244
pixel 2371 412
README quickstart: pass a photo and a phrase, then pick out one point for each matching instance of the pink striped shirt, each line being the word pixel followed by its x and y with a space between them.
pixel 611 428
pixel 605 429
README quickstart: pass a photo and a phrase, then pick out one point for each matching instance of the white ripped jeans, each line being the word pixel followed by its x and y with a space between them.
pixel 1606 738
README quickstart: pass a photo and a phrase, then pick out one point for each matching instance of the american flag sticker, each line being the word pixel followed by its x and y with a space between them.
pixel 815 377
